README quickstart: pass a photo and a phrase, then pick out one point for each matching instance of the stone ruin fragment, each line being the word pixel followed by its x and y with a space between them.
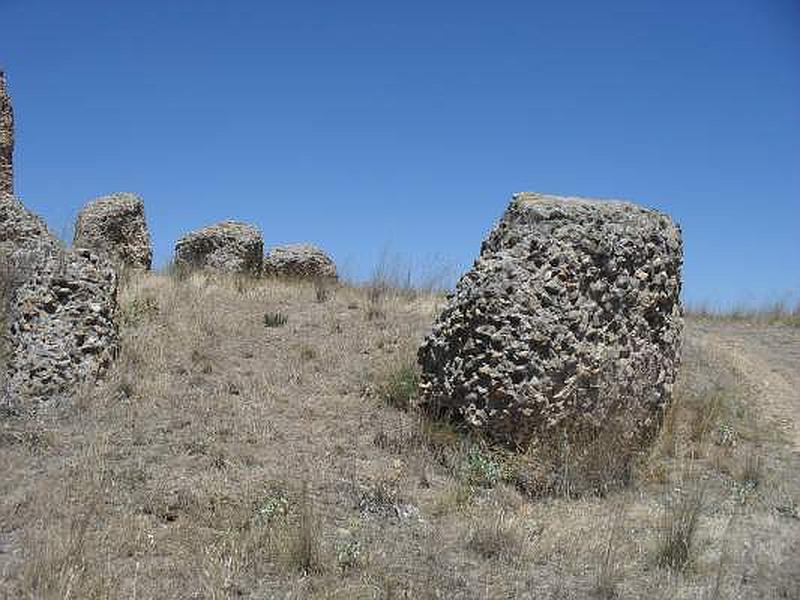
pixel 57 325
pixel 300 261
pixel 226 247
pixel 569 317
pixel 60 308
pixel 115 227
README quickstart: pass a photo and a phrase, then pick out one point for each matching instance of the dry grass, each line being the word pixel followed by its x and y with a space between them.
pixel 497 537
pixel 226 459
pixel 681 519
pixel 575 463
pixel 780 312
pixel 607 567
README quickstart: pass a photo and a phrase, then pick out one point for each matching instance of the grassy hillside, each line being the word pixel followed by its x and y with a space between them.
pixel 254 441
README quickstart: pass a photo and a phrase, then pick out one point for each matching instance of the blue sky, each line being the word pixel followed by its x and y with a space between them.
pixel 366 126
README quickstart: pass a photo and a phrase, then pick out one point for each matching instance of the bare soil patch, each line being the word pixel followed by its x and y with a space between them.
pixel 770 356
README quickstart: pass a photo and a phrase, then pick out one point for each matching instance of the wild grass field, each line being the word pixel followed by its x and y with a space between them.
pixel 257 439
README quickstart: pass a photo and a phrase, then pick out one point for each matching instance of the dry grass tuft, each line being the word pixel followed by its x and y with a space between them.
pixel 322 290
pixel 298 542
pixel 681 519
pixel 275 319
pixel 496 537
pixel 376 296
pixel 751 473
pixel 608 567
pixel 577 463
pixel 709 410
pixel 455 498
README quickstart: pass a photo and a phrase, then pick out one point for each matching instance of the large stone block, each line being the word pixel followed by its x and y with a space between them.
pixel 228 247
pixel 115 227
pixel 569 317
pixel 302 261
pixel 62 327
pixel 60 307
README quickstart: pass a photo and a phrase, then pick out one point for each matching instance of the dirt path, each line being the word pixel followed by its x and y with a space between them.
pixel 768 356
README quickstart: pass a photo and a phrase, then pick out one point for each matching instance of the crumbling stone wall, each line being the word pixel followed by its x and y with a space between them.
pixel 23 239
pixel 6 140
pixel 60 327
pixel 59 305
pixel 569 316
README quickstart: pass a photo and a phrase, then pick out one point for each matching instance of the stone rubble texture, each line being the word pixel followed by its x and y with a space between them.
pixel 302 261
pixel 22 231
pixel 226 247
pixel 569 316
pixel 61 305
pixel 115 227
pixel 6 140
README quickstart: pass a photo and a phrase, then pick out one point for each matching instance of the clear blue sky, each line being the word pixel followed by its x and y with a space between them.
pixel 407 125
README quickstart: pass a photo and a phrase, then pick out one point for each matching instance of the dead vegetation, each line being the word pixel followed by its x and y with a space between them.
pixel 781 312
pixel 681 516
pixel 225 458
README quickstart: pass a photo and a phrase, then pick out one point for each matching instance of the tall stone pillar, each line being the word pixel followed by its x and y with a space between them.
pixel 6 140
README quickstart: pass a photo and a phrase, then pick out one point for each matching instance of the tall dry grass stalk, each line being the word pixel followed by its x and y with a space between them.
pixel 299 543
pixel 680 524
pixel 608 572
pixel 573 463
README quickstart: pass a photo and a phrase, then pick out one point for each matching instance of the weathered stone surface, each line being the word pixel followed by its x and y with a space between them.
pixel 569 316
pixel 115 227
pixel 229 247
pixel 304 261
pixel 62 325
pixel 60 309
pixel 6 140
pixel 22 230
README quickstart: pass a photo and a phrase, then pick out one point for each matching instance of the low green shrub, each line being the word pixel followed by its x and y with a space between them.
pixel 275 319
pixel 401 386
